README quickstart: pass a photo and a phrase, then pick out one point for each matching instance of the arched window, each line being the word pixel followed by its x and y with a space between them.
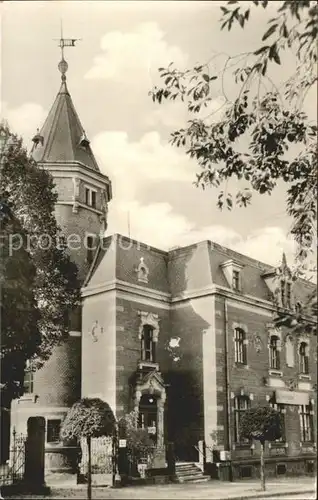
pixel 303 358
pixel 241 404
pixel 274 354
pixel 240 346
pixel 148 346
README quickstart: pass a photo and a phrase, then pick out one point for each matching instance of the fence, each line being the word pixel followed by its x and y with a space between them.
pixel 13 471
pixel 101 455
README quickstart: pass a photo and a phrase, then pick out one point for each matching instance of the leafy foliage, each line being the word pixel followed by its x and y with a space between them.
pixel 271 119
pixel 31 197
pixel 88 418
pixel 20 336
pixel 261 423
pixel 139 444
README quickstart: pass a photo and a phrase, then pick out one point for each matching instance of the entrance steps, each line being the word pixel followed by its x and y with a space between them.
pixel 187 472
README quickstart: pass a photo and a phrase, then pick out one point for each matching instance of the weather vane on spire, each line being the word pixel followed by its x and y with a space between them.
pixel 64 42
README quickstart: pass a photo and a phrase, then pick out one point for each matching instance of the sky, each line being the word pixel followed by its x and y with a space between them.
pixel 111 71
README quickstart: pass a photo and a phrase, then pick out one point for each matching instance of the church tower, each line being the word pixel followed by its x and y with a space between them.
pixel 61 147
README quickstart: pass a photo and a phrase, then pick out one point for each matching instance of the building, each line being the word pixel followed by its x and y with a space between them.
pixel 186 337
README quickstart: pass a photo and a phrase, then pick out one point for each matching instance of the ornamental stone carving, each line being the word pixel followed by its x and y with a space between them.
pixel 96 330
pixel 142 271
pixel 258 344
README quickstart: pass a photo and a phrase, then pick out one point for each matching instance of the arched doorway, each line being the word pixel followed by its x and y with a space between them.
pixel 149 402
pixel 148 415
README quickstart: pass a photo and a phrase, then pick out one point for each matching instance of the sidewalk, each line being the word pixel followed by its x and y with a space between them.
pixel 210 490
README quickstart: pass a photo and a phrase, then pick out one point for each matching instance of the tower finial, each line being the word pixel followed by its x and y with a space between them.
pixel 65 42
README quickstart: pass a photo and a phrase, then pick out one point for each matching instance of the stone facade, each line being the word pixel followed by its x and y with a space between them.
pixel 194 306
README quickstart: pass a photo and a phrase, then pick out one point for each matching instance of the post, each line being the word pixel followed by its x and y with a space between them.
pixel 34 453
pixel 262 466
pixel 89 471
pixel 114 458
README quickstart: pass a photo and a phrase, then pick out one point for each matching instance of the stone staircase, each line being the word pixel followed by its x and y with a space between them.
pixel 189 472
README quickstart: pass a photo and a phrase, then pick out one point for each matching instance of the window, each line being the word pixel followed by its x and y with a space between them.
pixel 298 308
pixel 28 387
pixel 53 431
pixel 93 199
pixel 241 404
pixel 281 469
pixel 236 280
pixel 288 295
pixel 90 249
pixel 148 346
pixel 246 471
pixel 281 410
pixel 282 292
pixel 90 197
pixel 274 360
pixel 87 197
pixel 306 423
pixel 239 346
pixel 303 358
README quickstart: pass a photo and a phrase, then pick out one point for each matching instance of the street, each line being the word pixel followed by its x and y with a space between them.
pixel 293 488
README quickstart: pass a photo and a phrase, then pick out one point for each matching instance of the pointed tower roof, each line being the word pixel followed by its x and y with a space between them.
pixel 62 137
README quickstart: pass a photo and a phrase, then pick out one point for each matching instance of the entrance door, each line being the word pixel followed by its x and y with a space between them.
pixel 148 415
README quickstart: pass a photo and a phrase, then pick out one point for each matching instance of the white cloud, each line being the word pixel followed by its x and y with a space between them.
pixel 133 165
pixel 25 119
pixel 135 57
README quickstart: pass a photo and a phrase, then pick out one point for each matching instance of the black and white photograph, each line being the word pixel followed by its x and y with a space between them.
pixel 158 249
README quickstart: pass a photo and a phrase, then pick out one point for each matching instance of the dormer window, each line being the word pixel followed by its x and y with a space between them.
pixel 288 295
pixel 38 139
pixel 285 294
pixel 236 280
pixel 232 272
pixel 84 142
pixel 90 197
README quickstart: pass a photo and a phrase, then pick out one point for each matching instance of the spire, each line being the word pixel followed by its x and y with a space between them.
pixel 62 137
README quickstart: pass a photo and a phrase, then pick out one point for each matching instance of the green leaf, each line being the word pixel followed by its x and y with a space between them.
pixel 206 77
pixel 269 32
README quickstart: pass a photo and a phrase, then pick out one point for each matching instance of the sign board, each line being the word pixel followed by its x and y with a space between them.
pixel 225 455
pixel 122 443
pixel 292 397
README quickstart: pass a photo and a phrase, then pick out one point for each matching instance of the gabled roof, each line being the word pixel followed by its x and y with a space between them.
pixel 62 137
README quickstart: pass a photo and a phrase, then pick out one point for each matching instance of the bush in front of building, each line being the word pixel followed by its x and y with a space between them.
pixel 263 424
pixel 88 418
pixel 139 445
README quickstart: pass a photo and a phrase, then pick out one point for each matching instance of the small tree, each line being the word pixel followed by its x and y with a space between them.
pixel 88 418
pixel 263 424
